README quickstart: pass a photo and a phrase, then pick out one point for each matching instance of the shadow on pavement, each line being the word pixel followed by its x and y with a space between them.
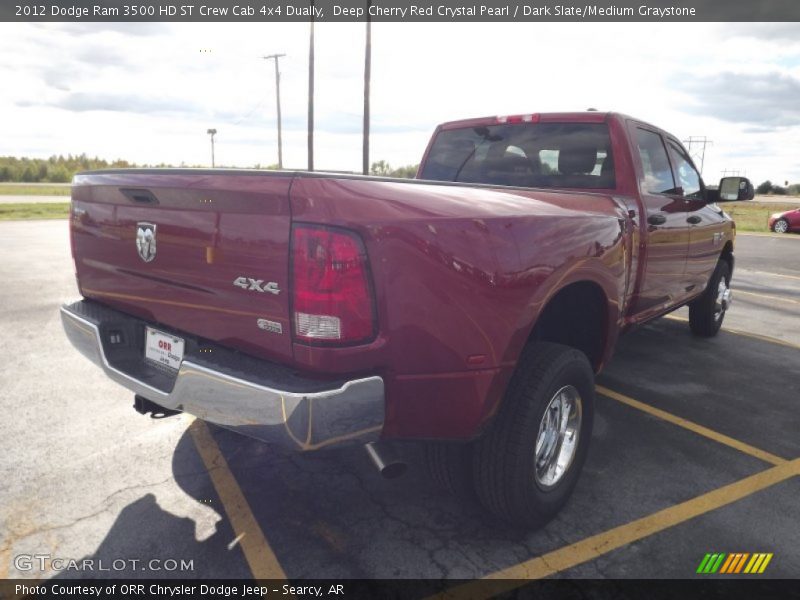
pixel 329 514
pixel 162 544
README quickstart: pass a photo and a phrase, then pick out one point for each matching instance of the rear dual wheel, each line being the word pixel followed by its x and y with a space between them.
pixel 524 468
pixel 449 466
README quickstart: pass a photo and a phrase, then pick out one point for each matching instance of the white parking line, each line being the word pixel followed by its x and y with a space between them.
pixel 779 236
pixel 770 273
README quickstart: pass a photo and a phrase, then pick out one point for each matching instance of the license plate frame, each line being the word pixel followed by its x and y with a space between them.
pixel 164 349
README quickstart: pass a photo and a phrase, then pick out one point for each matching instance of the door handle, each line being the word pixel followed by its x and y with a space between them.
pixel 140 196
pixel 694 220
pixel 657 219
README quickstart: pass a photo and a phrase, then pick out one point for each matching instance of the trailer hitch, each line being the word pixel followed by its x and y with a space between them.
pixel 144 406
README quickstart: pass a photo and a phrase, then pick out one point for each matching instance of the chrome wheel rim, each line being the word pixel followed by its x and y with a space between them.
pixel 557 440
pixel 723 299
pixel 781 227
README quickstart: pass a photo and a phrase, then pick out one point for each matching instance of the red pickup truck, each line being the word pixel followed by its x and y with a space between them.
pixel 469 309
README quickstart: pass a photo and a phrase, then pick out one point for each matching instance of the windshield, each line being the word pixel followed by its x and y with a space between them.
pixel 562 155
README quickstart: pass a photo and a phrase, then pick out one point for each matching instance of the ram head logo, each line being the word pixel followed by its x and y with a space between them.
pixel 146 241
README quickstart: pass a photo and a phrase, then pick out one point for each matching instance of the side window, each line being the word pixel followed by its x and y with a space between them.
pixel 657 172
pixel 549 161
pixel 688 177
pixel 516 151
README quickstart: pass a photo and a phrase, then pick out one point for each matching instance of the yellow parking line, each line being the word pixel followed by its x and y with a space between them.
pixel 755 336
pixel 260 557
pixel 691 426
pixel 763 338
pixel 595 546
pixel 767 296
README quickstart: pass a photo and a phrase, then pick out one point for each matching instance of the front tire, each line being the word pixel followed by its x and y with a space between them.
pixel 527 464
pixel 780 226
pixel 707 312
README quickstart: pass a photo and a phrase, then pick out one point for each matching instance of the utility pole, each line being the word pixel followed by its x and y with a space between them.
pixel 367 75
pixel 696 139
pixel 212 133
pixel 311 91
pixel 278 103
pixel 734 172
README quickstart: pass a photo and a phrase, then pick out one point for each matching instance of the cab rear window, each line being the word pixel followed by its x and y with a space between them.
pixel 559 155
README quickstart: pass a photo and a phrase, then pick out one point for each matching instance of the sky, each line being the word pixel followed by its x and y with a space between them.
pixel 148 92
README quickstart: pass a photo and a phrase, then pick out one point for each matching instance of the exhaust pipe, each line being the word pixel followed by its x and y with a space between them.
pixel 144 406
pixel 385 460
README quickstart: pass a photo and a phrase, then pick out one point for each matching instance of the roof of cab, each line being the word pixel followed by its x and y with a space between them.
pixel 589 116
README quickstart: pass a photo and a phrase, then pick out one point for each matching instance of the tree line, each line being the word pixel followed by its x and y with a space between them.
pixel 770 188
pixel 56 169
pixel 61 169
pixel 384 169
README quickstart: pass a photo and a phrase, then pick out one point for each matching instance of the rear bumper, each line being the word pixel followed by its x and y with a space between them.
pixel 251 396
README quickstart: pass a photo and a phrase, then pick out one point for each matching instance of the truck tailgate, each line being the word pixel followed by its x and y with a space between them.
pixel 184 249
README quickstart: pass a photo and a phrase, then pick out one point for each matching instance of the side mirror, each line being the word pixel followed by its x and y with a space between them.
pixel 733 189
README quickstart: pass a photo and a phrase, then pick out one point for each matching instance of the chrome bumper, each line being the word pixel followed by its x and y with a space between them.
pixel 345 411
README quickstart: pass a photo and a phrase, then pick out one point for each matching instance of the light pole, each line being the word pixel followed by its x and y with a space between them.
pixel 311 90
pixel 212 133
pixel 278 102
pixel 367 75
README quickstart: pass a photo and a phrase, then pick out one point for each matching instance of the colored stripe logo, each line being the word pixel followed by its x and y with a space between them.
pixel 734 563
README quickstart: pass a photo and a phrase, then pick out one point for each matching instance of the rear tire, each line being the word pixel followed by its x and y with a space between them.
pixel 527 464
pixel 781 226
pixel 707 312
pixel 449 466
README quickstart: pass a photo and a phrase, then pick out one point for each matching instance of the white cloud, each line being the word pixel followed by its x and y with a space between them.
pixel 148 92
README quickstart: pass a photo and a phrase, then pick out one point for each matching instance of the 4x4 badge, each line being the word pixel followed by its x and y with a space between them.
pixel 257 285
pixel 146 241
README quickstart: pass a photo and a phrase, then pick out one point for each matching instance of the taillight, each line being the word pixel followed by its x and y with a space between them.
pixel 332 297
pixel 532 118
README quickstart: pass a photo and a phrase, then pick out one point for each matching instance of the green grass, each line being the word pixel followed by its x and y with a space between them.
pixel 55 189
pixel 753 217
pixel 45 210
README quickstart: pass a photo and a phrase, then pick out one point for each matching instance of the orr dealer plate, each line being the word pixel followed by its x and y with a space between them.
pixel 163 348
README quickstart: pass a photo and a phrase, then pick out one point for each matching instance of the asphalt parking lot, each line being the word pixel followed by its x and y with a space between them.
pixel 695 450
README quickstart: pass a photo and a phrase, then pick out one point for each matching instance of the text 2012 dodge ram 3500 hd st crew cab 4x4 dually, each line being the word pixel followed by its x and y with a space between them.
pixel 469 309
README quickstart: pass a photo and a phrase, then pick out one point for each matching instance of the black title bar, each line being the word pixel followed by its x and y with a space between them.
pixel 244 11
pixel 361 589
